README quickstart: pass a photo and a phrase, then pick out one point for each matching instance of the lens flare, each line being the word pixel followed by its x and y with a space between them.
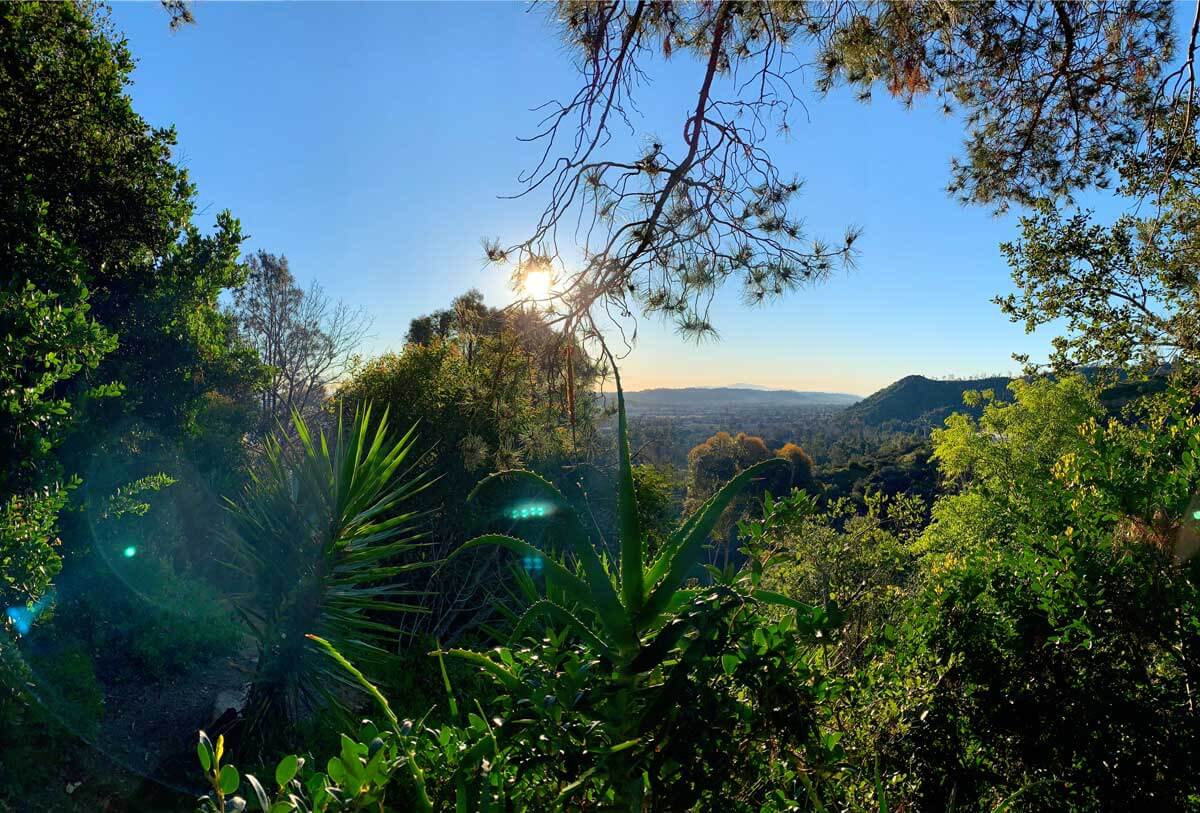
pixel 1187 542
pixel 22 618
pixel 145 578
pixel 529 511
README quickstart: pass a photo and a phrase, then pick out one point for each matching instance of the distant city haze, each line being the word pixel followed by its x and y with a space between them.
pixel 370 142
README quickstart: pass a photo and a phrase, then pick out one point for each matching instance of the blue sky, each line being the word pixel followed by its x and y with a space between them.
pixel 370 142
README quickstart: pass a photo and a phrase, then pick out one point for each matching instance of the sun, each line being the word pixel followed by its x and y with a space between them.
pixel 538 284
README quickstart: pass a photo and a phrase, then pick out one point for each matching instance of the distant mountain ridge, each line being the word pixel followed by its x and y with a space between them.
pixel 758 387
pixel 916 402
pixel 709 398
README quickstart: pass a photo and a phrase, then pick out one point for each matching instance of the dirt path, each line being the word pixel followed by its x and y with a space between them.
pixel 145 756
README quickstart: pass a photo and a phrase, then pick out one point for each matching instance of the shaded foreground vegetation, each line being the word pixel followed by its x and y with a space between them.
pixel 443 578
pixel 1020 650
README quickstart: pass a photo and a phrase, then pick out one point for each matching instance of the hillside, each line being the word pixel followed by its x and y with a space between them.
pixel 715 399
pixel 916 402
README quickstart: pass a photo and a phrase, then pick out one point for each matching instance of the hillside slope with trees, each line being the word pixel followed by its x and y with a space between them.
pixel 916 402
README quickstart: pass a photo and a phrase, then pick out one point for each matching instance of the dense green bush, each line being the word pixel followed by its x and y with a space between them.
pixel 863 563
pixel 47 340
pixel 1054 637
pixel 1068 667
pixel 48 699
pixel 168 624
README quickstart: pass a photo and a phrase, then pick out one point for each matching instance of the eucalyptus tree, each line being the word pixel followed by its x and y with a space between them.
pixel 305 338
pixel 108 294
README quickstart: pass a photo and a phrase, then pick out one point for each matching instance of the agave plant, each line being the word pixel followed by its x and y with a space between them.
pixel 323 542
pixel 639 619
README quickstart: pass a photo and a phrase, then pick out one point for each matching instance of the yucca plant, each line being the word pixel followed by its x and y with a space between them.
pixel 631 635
pixel 323 542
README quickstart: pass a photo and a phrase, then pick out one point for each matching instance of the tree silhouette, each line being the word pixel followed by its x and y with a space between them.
pixel 306 339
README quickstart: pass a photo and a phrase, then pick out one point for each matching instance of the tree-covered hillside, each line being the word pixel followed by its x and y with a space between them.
pixel 916 402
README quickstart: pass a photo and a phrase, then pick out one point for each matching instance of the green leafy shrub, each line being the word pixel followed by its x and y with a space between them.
pixel 131 597
pixel 41 719
pixel 360 776
pixel 862 563
pixel 28 555
pixel 1002 461
pixel 1067 675
pixel 48 340
pixel 1052 660
pixel 192 624
pixel 74 697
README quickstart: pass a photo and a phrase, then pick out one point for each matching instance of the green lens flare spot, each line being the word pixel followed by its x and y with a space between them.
pixel 1196 515
pixel 129 552
pixel 528 511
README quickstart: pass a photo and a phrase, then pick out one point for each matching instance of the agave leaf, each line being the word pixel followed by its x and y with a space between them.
pixel 525 584
pixel 574 586
pixel 502 675
pixel 1008 801
pixel 678 677
pixel 682 554
pixel 779 600
pixel 627 514
pixel 812 793
pixel 359 678
pixel 659 567
pixel 570 788
pixel 562 616
pixel 600 595
pixel 657 650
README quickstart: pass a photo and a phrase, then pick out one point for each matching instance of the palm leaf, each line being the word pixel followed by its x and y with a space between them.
pixel 319 534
